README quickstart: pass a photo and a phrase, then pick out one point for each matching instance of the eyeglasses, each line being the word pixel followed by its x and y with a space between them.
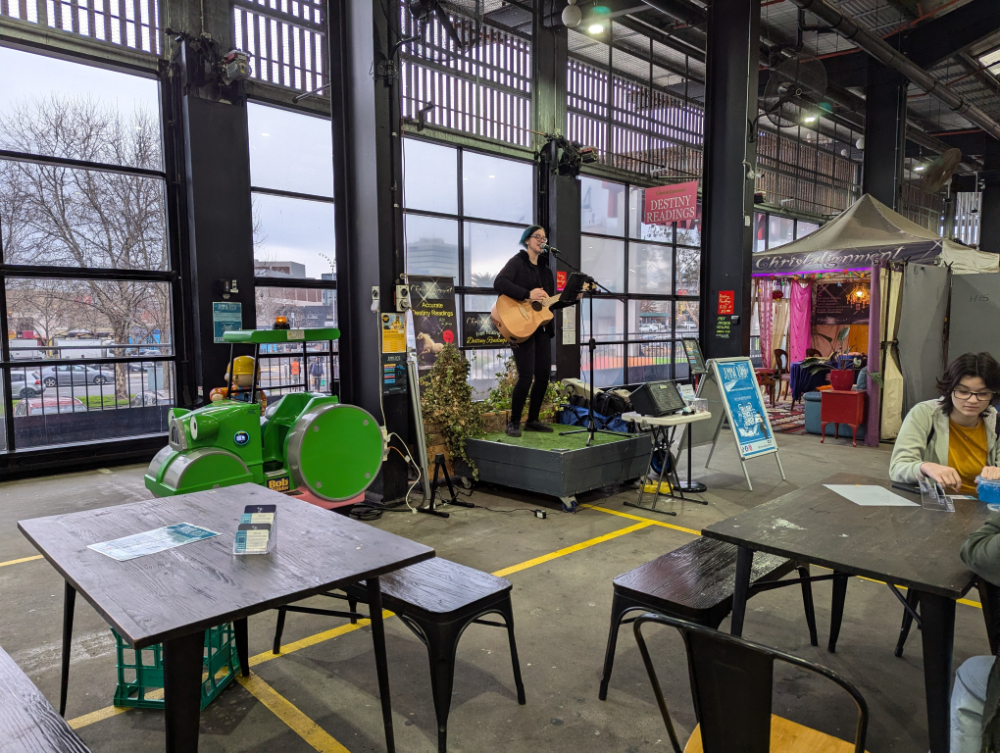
pixel 541 238
pixel 982 397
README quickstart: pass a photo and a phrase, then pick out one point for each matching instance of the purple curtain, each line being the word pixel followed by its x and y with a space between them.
pixel 764 311
pixel 874 357
pixel 799 331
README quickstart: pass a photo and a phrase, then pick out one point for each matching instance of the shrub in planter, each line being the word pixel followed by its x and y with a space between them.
pixel 446 402
pixel 499 398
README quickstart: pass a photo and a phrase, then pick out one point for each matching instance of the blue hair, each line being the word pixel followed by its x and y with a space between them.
pixel 528 232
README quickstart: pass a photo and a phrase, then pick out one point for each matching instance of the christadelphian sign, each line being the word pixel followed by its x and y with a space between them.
pixel 673 203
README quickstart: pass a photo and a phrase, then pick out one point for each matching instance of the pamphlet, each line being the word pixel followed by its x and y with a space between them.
pixel 257 531
pixel 151 542
pixel 870 496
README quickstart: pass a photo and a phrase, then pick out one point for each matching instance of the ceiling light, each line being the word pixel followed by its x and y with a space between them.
pixel 919 168
pixel 809 119
pixel 596 28
pixel 493 176
pixel 571 15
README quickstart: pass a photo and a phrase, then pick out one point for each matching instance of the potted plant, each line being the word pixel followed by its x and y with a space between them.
pixel 450 415
pixel 497 402
pixel 840 379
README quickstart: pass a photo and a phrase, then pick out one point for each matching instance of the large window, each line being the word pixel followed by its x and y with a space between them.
pixel 465 212
pixel 772 231
pixel 295 275
pixel 85 321
pixel 128 23
pixel 654 272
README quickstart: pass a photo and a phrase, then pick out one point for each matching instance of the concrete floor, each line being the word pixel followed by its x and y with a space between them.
pixel 323 696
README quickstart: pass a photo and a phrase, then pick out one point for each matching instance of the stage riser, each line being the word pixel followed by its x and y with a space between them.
pixel 560 474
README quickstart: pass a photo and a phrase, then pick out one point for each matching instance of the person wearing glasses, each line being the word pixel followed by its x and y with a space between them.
pixel 527 277
pixel 953 439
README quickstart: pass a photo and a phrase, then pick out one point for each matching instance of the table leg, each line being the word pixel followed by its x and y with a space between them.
pixel 822 431
pixel 989 596
pixel 183 659
pixel 242 645
pixel 381 662
pixel 837 608
pixel 692 487
pixel 744 564
pixel 937 615
pixel 69 604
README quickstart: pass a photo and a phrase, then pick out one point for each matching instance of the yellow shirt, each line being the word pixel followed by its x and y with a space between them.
pixel 967 453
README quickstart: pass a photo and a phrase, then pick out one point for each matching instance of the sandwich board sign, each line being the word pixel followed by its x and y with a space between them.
pixel 735 400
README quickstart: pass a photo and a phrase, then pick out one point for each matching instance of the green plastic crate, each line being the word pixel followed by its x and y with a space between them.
pixel 140 672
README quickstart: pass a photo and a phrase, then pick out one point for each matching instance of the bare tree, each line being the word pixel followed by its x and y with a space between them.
pixel 69 217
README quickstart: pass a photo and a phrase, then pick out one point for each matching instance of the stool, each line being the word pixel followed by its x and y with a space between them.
pixel 696 583
pixel 842 407
pixel 437 600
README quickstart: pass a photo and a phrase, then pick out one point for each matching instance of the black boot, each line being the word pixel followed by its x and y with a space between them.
pixel 537 425
pixel 513 429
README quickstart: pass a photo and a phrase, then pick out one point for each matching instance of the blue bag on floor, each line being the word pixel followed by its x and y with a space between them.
pixel 574 415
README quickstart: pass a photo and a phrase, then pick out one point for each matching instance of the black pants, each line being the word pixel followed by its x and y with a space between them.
pixel 534 361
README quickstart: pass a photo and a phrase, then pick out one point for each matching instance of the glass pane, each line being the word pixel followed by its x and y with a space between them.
pixel 780 231
pixel 304 308
pixel 290 151
pixel 61 109
pixel 76 319
pixel 689 233
pixel 430 177
pixel 803 228
pixel 688 271
pixel 479 304
pixel 3 419
pixel 89 401
pixel 649 362
pixel 497 189
pixel 604 260
pixel 609 365
pixel 487 249
pixel 484 365
pixel 286 368
pixel 431 246
pixel 649 320
pixel 760 232
pixel 609 320
pixel 650 269
pixel 639 229
pixel 63 217
pixel 687 319
pixel 602 207
pixel 293 238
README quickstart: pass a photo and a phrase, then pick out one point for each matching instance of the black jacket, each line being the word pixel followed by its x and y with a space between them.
pixel 519 277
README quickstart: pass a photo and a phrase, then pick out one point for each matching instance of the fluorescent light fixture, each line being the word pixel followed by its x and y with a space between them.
pixel 919 168
pixel 596 28
pixel 809 119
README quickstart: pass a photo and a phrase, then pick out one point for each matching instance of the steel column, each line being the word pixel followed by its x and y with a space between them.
pixel 989 210
pixel 730 152
pixel 885 134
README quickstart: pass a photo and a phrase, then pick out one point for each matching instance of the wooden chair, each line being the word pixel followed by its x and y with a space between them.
pixel 767 382
pixel 813 353
pixel 781 373
pixel 437 600
pixel 28 723
pixel 732 682
pixel 695 582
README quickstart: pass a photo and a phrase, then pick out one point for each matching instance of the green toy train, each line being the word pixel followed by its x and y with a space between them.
pixel 304 440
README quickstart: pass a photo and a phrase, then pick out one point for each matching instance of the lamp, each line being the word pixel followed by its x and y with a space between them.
pixel 571 15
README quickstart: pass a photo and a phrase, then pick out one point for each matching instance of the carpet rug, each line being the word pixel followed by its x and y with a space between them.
pixel 787 420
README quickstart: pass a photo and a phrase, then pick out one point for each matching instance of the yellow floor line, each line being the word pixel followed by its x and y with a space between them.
pixel 23 559
pixel 312 640
pixel 287 712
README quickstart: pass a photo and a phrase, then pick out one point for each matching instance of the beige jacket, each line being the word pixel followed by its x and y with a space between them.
pixel 923 438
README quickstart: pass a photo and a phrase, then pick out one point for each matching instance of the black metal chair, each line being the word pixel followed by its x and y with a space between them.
pixel 732 683
pixel 989 597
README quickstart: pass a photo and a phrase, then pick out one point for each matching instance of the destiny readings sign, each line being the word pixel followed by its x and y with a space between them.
pixel 674 203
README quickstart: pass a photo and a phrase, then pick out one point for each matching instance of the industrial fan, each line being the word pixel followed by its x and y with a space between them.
pixel 940 170
pixel 800 77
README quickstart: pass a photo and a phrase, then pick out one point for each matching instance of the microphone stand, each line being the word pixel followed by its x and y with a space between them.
pixel 592 347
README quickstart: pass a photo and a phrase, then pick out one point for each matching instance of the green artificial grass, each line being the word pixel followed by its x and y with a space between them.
pixel 545 441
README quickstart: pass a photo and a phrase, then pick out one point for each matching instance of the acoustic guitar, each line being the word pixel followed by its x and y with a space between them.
pixel 518 320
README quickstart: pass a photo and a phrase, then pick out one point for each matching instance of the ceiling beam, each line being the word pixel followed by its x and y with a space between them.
pixel 933 42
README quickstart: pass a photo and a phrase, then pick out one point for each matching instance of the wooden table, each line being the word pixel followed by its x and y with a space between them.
pixel 903 546
pixel 173 596
pixel 842 407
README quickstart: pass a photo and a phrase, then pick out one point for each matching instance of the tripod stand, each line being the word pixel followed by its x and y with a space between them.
pixel 592 347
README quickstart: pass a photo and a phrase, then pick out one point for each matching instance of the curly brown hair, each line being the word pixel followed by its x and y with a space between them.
pixel 981 365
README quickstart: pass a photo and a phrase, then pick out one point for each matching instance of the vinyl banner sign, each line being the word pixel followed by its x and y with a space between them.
pixel 478 331
pixel 745 407
pixel 674 203
pixel 845 258
pixel 432 301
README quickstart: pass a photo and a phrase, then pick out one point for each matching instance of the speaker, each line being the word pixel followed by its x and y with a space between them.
pixel 657 399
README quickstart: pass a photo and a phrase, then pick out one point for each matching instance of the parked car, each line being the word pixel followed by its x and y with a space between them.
pixel 47 406
pixel 151 398
pixel 66 374
pixel 25 384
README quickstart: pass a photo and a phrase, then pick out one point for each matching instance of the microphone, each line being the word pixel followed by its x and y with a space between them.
pixel 551 249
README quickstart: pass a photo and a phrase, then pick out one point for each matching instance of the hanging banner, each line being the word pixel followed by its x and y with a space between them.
pixel 673 203
pixel 478 331
pixel 432 301
pixel 840 304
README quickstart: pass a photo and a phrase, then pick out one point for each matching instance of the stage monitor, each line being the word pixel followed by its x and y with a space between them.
pixel 657 399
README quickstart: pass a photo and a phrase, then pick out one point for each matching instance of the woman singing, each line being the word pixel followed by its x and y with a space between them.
pixel 527 276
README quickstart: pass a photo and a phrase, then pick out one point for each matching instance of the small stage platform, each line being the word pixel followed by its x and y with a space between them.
pixel 559 466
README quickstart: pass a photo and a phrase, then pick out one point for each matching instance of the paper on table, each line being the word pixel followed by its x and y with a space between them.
pixel 151 542
pixel 870 496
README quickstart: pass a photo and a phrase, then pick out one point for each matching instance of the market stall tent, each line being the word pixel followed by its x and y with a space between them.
pixel 867 233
